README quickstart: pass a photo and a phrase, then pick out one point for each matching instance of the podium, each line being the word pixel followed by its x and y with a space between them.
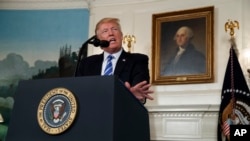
pixel 106 111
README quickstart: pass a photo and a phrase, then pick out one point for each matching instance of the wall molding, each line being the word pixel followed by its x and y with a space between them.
pixel 63 4
pixel 184 122
pixel 183 108
pixel 43 4
pixel 99 3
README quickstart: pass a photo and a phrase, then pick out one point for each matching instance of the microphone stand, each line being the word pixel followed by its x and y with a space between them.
pixel 84 45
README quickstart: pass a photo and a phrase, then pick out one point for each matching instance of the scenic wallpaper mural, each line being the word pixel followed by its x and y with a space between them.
pixel 37 44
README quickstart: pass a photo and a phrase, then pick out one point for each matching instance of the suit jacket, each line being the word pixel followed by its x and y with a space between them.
pixel 131 67
pixel 190 62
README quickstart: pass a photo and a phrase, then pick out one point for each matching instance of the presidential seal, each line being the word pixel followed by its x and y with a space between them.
pixel 57 111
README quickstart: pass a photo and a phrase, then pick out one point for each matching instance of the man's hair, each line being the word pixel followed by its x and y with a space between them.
pixel 107 20
pixel 188 30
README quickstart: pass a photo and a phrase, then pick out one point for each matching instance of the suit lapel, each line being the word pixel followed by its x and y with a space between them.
pixel 121 62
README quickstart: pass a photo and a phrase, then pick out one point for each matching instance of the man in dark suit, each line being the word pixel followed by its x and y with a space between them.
pixel 131 68
pixel 186 60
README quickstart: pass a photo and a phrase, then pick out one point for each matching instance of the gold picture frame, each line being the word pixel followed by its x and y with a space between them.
pixel 164 46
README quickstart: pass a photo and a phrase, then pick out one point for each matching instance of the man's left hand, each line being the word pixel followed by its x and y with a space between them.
pixel 141 90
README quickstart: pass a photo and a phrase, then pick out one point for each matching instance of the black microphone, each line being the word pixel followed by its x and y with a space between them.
pixel 93 40
pixel 96 42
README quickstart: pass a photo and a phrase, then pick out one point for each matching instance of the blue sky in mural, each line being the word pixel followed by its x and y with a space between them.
pixel 39 34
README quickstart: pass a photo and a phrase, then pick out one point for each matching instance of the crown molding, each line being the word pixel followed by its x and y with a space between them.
pixel 43 4
pixel 63 4
pixel 99 3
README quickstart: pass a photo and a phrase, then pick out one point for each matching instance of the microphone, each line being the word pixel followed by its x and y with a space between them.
pixel 96 42
pixel 93 40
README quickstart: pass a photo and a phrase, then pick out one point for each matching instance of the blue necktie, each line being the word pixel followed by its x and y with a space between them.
pixel 109 68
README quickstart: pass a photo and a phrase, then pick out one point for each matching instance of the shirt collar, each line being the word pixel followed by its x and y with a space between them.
pixel 115 55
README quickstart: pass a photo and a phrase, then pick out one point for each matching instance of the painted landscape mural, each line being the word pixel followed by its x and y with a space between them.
pixel 37 44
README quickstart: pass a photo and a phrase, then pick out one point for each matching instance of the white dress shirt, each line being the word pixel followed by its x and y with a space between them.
pixel 114 60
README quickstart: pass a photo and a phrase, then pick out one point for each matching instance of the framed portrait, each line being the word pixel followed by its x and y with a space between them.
pixel 182 46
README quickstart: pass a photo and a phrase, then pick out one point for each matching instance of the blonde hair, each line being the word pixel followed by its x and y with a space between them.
pixel 107 20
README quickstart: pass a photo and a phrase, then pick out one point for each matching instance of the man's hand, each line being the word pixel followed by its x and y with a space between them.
pixel 141 90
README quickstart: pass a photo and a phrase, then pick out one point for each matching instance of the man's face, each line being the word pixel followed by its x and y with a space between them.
pixel 181 38
pixel 111 32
